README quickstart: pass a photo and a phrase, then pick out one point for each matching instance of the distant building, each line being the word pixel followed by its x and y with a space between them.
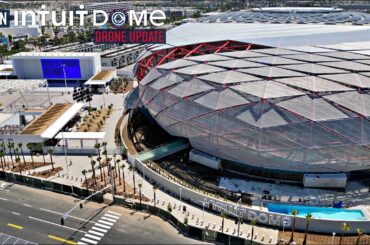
pixel 56 66
pixel 105 6
pixel 121 57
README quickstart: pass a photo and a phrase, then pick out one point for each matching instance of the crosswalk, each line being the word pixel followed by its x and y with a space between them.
pixel 100 228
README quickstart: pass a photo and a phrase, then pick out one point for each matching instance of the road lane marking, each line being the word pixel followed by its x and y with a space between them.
pixel 15 226
pixel 51 223
pixel 103 226
pixel 109 219
pixel 98 238
pixel 111 216
pixel 81 243
pixel 3 199
pixel 61 240
pixel 105 222
pixel 89 241
pixel 95 233
pixel 69 216
pixel 99 229
pixel 27 205
pixel 16 213
pixel 111 212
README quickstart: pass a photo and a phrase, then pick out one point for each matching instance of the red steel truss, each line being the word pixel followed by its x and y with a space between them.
pixel 167 55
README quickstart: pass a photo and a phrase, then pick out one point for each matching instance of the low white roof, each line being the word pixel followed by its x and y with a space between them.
pixel 80 135
pixel 54 54
pixel 99 82
pixel 55 127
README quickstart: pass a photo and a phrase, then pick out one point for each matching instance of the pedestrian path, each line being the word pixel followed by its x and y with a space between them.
pixel 100 228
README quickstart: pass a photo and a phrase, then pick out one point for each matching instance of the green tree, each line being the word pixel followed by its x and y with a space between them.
pixel 294 213
pixel 308 218
pixel 345 228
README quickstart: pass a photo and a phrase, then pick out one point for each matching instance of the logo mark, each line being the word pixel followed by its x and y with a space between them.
pixel 4 18
pixel 118 18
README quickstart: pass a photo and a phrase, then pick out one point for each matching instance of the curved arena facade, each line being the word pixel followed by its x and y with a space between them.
pixel 265 97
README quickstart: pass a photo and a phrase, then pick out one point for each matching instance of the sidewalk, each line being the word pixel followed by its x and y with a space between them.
pixel 198 217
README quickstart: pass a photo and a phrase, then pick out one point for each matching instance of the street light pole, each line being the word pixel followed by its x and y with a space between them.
pixel 240 203
pixel 65 152
pixel 332 239
pixel 65 76
pixel 47 89
pixel 112 181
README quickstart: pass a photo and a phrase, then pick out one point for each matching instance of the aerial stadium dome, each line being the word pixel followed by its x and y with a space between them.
pixel 265 98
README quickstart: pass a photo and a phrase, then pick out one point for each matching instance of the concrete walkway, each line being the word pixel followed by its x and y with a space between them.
pixel 198 217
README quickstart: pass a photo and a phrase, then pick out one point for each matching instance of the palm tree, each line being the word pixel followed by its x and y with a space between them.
pixel 119 171
pixel 308 218
pixel 20 147
pixel 50 151
pixel 140 185
pixel 360 232
pixel 123 178
pixel 294 213
pixel 97 146
pixel 223 215
pixel 2 159
pixel 345 228
pixel 93 162
pixel 10 152
pixel 155 187
pixel 29 146
pixel 18 161
pixel 101 173
pixel 105 151
pixel 133 169
pixel 84 173
pixel 253 223
pixel 42 152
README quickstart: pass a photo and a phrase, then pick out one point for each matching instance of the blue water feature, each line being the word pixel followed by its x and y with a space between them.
pixel 318 212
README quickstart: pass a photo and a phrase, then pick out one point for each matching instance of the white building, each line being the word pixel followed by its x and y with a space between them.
pixel 56 66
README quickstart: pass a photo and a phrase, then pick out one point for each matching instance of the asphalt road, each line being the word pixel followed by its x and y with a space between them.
pixel 29 215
